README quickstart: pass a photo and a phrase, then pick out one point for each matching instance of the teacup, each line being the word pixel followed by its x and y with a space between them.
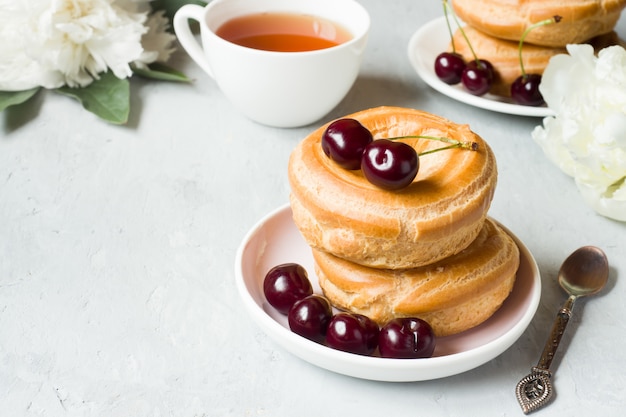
pixel 281 89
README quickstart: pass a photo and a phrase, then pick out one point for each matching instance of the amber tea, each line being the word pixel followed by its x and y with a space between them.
pixel 283 32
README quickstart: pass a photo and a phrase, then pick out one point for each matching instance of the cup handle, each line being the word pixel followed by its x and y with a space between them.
pixel 187 38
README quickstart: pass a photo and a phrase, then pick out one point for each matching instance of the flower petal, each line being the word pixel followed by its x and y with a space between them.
pixel 587 136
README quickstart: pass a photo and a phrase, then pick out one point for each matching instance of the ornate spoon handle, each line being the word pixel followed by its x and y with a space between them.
pixel 558 328
pixel 535 389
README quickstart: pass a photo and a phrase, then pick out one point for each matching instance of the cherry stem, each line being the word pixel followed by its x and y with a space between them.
pixel 469 44
pixel 554 19
pixel 472 146
pixel 453 146
pixel 445 13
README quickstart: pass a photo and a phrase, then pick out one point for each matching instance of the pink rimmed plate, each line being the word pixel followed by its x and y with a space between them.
pixel 275 240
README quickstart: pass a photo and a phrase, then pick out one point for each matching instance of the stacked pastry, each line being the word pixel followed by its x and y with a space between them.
pixel 428 250
pixel 494 28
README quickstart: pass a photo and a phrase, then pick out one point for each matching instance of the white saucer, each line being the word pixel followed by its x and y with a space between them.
pixel 432 39
pixel 275 240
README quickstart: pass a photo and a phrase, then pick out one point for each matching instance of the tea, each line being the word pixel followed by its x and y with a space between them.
pixel 283 32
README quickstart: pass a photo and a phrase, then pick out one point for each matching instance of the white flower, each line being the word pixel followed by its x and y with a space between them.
pixel 157 42
pixel 587 136
pixel 18 70
pixel 51 43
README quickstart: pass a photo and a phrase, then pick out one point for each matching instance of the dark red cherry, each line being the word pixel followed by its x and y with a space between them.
pixel 310 316
pixel 344 140
pixel 478 77
pixel 389 164
pixel 449 67
pixel 406 338
pixel 354 333
pixel 525 90
pixel 285 284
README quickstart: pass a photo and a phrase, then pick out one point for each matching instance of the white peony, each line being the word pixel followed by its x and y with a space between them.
pixel 157 42
pixel 51 43
pixel 587 136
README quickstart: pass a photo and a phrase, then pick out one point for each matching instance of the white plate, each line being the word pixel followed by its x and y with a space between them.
pixel 432 39
pixel 275 240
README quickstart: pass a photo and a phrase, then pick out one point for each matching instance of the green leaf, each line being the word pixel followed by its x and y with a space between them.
pixel 158 71
pixel 11 98
pixel 171 6
pixel 107 98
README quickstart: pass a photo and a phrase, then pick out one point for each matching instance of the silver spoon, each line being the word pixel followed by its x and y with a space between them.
pixel 583 273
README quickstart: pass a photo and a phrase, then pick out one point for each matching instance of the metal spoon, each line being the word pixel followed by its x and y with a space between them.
pixel 584 272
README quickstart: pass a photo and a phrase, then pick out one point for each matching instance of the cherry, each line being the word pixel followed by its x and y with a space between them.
pixel 344 140
pixel 310 317
pixel 449 67
pixel 354 333
pixel 385 163
pixel 389 165
pixel 406 338
pixel 478 76
pixel 285 284
pixel 525 90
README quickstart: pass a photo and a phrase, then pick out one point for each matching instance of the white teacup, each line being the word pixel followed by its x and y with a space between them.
pixel 281 89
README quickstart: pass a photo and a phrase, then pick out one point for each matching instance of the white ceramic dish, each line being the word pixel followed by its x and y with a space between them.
pixel 275 240
pixel 431 40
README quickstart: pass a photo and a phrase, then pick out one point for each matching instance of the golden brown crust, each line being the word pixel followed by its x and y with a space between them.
pixel 508 19
pixel 438 215
pixel 452 295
